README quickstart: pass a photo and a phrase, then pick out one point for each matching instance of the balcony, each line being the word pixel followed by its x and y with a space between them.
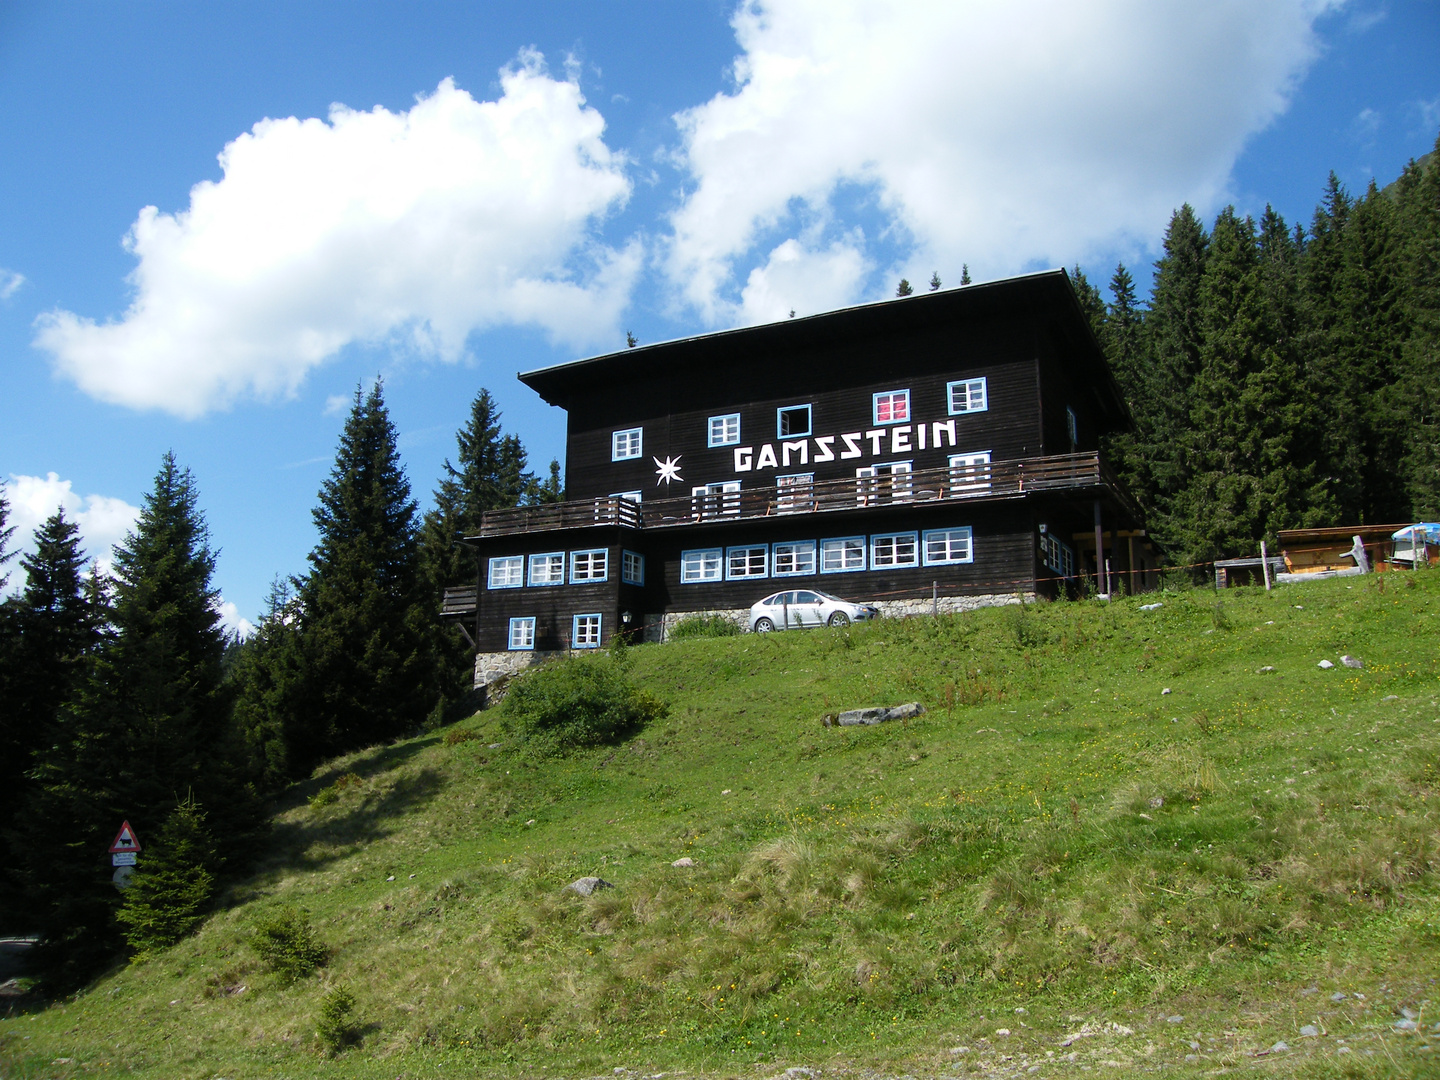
pixel 1015 478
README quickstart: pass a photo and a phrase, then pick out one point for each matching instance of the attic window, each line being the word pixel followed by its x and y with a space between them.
pixel 792 421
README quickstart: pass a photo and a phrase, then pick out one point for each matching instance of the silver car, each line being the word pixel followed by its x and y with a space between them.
pixel 806 607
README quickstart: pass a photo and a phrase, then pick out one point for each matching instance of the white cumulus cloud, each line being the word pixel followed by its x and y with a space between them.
pixel 103 520
pixel 1007 136
pixel 411 229
pixel 232 620
pixel 10 282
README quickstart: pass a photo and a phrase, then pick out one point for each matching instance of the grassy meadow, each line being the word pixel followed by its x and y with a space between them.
pixel 1136 841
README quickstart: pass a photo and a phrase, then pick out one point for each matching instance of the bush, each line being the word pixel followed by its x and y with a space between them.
pixel 703 626
pixel 172 885
pixel 287 944
pixel 336 1030
pixel 577 702
pixel 327 795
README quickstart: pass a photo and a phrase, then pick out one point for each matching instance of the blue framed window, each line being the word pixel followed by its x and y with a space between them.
pixel 842 555
pixel 591 565
pixel 793 559
pixel 633 496
pixel 522 633
pixel 892 407
pixel 792 421
pixel 748 561
pixel 725 430
pixel 626 444
pixel 548 568
pixel 703 564
pixel 967 396
pixel 585 632
pixel 944 547
pixel 632 567
pixel 889 550
pixel 507 572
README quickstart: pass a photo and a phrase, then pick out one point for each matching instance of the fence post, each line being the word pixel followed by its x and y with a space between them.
pixel 1265 565
pixel 935 599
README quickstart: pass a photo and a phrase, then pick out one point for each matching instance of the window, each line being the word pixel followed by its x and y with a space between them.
pixel 633 496
pixel 967 395
pixel 632 568
pixel 522 633
pixel 1072 427
pixel 893 549
pixel 625 445
pixel 710 500
pixel 548 569
pixel 1057 555
pixel 892 407
pixel 507 572
pixel 842 556
pixel 883 483
pixel 700 565
pixel 792 421
pixel 792 559
pixel 585 634
pixel 794 493
pixel 747 562
pixel 969 473
pixel 725 430
pixel 589 565
pixel 943 546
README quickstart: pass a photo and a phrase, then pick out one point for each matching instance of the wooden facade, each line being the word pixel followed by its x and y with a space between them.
pixel 941 444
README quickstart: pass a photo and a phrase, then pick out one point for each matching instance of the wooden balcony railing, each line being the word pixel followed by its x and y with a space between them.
pixel 998 479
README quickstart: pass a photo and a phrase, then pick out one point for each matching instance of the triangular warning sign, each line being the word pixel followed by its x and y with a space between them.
pixel 125 840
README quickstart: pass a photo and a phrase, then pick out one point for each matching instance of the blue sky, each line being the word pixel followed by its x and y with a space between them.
pixel 508 186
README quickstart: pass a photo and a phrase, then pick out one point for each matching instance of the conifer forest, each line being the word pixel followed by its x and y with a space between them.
pixel 1279 374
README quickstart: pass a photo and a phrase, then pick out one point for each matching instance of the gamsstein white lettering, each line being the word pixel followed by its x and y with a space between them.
pixel 920 430
pixel 766 460
pixel 822 448
pixel 900 439
pixel 947 426
pixel 743 458
pixel 876 437
pixel 852 442
pixel 802 448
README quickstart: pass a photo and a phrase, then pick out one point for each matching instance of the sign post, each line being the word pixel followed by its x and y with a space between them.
pixel 122 855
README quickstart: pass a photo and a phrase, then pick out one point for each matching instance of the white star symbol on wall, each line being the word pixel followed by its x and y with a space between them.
pixel 667 470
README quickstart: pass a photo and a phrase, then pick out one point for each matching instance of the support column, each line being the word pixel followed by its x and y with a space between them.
pixel 1099 551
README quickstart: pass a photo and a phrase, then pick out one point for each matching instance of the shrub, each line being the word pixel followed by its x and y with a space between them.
pixel 287 944
pixel 703 626
pixel 336 1029
pixel 577 702
pixel 456 736
pixel 327 795
pixel 173 884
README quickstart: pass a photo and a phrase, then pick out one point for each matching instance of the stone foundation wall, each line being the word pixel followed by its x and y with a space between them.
pixel 490 666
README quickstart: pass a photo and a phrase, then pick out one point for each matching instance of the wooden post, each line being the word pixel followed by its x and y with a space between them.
pixel 1099 548
pixel 935 599
pixel 1265 565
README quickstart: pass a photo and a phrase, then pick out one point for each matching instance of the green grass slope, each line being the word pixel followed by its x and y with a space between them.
pixel 1159 841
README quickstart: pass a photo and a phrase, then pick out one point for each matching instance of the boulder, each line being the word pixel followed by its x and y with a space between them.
pixel 857 717
pixel 586 885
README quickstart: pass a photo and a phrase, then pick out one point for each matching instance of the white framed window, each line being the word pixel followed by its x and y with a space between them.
pixel 725 430
pixel 626 444
pixel 892 407
pixel 710 500
pixel 884 483
pixel 792 559
pixel 633 496
pixel 843 555
pixel 1057 555
pixel 585 632
pixel 507 572
pixel 750 561
pixel 794 493
pixel 792 421
pixel 969 473
pixel 591 565
pixel 967 396
pixel 946 546
pixel 1072 427
pixel 522 633
pixel 547 569
pixel 893 549
pixel 632 567
pixel 702 564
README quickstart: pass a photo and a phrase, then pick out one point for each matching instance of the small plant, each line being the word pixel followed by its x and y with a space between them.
pixel 456 736
pixel 336 1028
pixel 704 626
pixel 1220 618
pixel 327 795
pixel 287 944
pixel 577 702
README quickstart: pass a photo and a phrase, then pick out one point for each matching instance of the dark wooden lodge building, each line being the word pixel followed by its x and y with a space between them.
pixel 939 451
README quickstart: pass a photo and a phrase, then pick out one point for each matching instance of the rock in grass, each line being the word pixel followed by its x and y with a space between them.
pixel 857 717
pixel 1351 661
pixel 1280 1047
pixel 1325 665
pixel 586 885
pixel 1151 607
pixel 683 861
pixel 1309 1031
pixel 1337 996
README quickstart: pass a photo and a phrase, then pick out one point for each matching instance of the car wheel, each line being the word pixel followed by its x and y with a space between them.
pixel 763 626
pixel 839 619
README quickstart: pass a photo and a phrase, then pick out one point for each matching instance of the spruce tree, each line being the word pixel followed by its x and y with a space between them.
pixel 173 884
pixel 904 288
pixel 6 532
pixel 268 676
pixel 1417 387
pixel 368 623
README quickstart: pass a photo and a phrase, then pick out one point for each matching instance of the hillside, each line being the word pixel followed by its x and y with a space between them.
pixel 1164 839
